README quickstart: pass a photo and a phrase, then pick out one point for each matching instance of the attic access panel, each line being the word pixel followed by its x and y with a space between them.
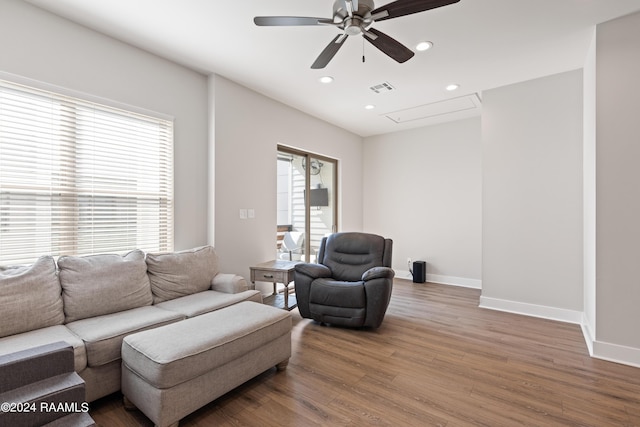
pixel 435 109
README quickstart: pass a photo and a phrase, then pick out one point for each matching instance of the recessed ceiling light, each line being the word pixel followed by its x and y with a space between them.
pixel 326 79
pixel 369 107
pixel 452 86
pixel 422 46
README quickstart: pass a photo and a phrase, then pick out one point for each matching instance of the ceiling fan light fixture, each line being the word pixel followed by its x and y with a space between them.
pixel 452 87
pixel 425 45
pixel 325 79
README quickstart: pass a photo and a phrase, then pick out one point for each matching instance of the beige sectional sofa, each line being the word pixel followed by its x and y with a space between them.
pixel 93 302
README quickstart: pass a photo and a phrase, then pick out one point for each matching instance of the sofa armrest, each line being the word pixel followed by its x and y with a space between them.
pixel 229 283
pixel 378 273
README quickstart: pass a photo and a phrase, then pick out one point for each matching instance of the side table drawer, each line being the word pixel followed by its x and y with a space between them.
pixel 270 276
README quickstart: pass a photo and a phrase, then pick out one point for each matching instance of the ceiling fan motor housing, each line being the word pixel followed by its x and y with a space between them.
pixel 354 23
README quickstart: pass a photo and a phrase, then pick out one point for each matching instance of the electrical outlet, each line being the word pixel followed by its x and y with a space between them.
pixel 409 261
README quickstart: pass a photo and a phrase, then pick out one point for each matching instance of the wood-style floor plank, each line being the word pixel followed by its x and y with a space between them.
pixel 437 360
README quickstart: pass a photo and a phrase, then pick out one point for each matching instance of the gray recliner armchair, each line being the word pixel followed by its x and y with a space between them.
pixel 351 283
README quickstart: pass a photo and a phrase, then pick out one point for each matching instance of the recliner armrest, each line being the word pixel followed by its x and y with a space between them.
pixel 229 283
pixel 314 271
pixel 378 273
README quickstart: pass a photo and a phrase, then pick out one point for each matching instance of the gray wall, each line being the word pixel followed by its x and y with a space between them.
pixel 423 190
pixel 618 188
pixel 532 196
pixel 38 45
pixel 247 129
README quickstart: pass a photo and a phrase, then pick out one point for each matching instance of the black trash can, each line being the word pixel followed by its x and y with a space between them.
pixel 419 271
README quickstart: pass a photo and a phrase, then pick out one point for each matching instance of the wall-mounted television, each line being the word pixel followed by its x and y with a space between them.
pixel 319 197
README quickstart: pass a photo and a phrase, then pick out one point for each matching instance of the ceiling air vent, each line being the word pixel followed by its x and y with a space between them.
pixel 382 87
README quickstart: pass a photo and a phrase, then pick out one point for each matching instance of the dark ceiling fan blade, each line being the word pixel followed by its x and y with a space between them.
pixel 286 21
pixel 391 47
pixel 329 52
pixel 407 7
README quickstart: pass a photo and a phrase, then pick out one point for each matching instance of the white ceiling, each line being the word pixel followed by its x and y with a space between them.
pixel 478 44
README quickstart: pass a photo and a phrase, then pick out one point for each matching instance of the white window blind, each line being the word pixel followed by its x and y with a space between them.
pixel 79 178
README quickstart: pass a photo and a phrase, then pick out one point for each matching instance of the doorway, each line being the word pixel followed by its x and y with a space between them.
pixel 303 221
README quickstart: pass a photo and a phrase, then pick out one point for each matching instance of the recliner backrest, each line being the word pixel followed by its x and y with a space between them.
pixel 350 254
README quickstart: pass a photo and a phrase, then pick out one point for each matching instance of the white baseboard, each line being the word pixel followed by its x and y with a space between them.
pixel 607 351
pixel 455 281
pixel 403 274
pixel 616 353
pixel 443 280
pixel 587 333
pixel 534 310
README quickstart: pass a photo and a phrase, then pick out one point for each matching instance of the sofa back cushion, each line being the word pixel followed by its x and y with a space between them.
pixel 103 284
pixel 30 297
pixel 178 274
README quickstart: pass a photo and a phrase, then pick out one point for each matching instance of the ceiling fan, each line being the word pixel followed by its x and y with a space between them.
pixel 355 17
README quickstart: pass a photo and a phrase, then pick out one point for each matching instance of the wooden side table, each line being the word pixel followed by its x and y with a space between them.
pixel 276 271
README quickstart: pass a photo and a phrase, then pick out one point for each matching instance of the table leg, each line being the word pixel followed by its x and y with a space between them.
pixel 286 296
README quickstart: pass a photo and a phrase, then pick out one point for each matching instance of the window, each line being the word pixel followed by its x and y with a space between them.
pixel 79 178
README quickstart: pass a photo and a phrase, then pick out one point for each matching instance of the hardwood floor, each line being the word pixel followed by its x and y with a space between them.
pixel 437 360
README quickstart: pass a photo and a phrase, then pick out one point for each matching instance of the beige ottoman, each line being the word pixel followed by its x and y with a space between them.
pixel 171 371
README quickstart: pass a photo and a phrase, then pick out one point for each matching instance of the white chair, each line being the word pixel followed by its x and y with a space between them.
pixel 292 246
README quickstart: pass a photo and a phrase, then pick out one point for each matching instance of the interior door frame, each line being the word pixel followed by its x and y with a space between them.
pixel 307 186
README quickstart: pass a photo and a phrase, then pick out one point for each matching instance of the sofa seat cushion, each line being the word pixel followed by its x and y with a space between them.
pixel 207 301
pixel 177 274
pixel 101 284
pixel 179 352
pixel 102 335
pixel 44 336
pixel 30 297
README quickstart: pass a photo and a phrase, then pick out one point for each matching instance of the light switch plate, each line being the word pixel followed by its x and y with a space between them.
pixel 243 214
pixel 251 213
